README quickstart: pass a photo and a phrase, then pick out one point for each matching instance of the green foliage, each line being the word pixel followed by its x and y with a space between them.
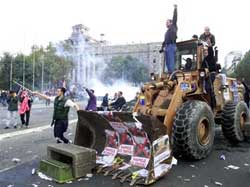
pixel 125 68
pixel 56 68
pixel 243 68
pixel 5 67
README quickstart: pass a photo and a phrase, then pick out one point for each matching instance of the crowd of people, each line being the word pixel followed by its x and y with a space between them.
pixel 3 97
pixel 20 104
pixel 25 99
pixel 117 102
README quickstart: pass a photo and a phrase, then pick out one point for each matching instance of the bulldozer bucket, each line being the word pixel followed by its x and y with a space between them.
pixel 130 148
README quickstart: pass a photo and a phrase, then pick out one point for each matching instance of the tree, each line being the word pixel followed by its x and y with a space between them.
pixel 56 68
pixel 125 68
pixel 5 65
pixel 243 68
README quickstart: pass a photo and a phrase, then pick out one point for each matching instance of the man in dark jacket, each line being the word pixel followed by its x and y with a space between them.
pixel 92 100
pixel 210 63
pixel 169 44
pixel 209 60
pixel 118 104
pixel 105 102
pixel 12 101
pixel 208 37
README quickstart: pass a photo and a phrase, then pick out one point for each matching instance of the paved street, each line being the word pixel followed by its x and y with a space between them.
pixel 40 115
pixel 30 147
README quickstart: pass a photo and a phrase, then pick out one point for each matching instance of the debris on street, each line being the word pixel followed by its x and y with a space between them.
pixel 186 180
pixel 89 175
pixel 218 183
pixel 222 157
pixel 233 167
pixel 33 171
pixel 16 160
pixel 42 176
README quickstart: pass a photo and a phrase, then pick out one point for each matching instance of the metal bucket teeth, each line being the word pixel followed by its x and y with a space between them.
pixel 100 169
pixel 123 179
pixel 109 171
pixel 135 181
pixel 116 175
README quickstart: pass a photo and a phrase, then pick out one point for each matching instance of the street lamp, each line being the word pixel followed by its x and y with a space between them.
pixel 11 72
pixel 42 72
pixel 23 70
pixel 33 68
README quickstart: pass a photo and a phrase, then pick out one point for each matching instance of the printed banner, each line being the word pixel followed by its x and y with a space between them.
pixel 139 161
pixel 161 150
pixel 109 151
pixel 126 149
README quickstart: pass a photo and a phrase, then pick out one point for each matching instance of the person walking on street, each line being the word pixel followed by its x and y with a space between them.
pixel 169 43
pixel 60 116
pixel 12 101
pixel 91 106
pixel 25 108
pixel 4 98
pixel 105 102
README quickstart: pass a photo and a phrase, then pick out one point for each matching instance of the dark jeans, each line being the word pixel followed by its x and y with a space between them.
pixel 27 114
pixel 210 88
pixel 47 102
pixel 170 57
pixel 60 128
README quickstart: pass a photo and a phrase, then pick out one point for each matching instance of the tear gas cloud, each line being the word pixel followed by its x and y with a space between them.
pixel 88 67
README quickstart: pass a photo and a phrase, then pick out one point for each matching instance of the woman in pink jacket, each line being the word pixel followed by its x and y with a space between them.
pixel 25 107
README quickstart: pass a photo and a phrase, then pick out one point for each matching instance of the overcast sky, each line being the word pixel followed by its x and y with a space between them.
pixel 27 22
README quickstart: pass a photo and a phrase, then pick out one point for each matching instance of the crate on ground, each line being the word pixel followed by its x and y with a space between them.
pixel 58 171
pixel 82 159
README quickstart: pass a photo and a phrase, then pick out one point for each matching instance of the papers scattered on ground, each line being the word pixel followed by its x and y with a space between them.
pixel 33 171
pixel 233 167
pixel 218 183
pixel 43 176
pixel 89 175
pixel 16 160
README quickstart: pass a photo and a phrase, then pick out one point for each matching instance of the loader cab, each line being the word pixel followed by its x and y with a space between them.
pixel 186 55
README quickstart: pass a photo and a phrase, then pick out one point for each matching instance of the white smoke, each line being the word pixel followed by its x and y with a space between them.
pixel 128 90
pixel 89 66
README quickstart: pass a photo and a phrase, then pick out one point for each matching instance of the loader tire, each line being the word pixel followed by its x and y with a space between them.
pixel 193 130
pixel 234 115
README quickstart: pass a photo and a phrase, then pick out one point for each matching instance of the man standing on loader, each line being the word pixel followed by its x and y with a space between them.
pixel 208 37
pixel 169 44
pixel 60 115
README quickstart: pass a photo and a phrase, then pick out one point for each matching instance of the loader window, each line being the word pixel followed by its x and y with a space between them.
pixel 186 57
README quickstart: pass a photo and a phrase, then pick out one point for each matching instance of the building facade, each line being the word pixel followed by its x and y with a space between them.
pixel 90 53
